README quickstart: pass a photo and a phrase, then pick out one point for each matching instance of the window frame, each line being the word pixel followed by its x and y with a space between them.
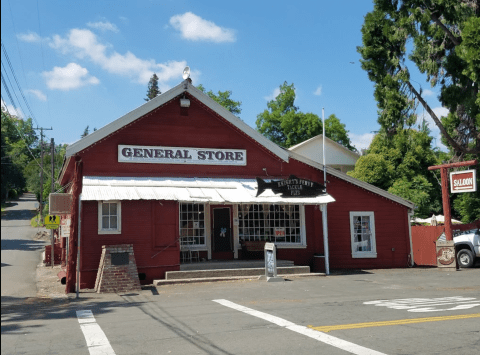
pixel 363 254
pixel 117 230
pixel 186 246
pixel 281 245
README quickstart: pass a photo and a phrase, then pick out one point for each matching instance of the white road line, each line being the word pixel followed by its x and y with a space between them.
pixel 314 334
pixel 97 342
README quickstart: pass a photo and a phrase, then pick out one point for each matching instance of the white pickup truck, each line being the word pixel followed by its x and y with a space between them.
pixel 467 247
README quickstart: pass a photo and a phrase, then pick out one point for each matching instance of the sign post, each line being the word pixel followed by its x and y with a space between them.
pixel 446 251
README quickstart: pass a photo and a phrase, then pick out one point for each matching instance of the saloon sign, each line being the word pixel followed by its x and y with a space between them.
pixel 181 155
pixel 463 181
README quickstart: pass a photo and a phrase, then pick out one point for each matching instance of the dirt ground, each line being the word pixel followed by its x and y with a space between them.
pixel 48 283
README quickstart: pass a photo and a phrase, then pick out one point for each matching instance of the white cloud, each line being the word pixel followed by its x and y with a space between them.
pixel 361 141
pixel 318 92
pixel 103 26
pixel 70 77
pixel 427 93
pixel 434 130
pixel 195 28
pixel 38 94
pixel 30 37
pixel 83 43
pixel 15 112
pixel 273 95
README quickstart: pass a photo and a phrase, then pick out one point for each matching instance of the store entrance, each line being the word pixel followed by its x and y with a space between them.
pixel 222 235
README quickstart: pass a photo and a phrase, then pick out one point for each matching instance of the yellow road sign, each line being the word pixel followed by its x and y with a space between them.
pixel 52 221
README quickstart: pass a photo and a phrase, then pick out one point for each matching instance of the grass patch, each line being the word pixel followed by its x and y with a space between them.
pixel 34 222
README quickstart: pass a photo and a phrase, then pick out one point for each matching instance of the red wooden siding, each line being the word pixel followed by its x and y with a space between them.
pixel 391 227
pixel 137 229
pixel 152 226
pixel 202 128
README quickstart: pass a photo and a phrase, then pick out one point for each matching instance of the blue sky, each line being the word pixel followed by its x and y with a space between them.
pixel 88 62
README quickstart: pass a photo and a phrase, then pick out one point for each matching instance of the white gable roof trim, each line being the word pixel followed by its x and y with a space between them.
pixel 162 99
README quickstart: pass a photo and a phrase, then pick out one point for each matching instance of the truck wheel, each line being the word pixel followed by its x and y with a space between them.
pixel 465 258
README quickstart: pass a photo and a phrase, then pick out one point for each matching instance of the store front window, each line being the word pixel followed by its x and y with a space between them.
pixel 274 223
pixel 192 224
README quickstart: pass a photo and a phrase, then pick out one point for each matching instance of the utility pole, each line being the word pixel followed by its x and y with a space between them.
pixel 52 154
pixel 41 129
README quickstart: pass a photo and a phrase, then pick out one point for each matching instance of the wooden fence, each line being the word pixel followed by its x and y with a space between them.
pixel 424 238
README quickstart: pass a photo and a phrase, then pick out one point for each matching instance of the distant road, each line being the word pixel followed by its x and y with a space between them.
pixel 20 253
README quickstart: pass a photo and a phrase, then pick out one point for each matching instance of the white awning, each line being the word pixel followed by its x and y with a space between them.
pixel 206 190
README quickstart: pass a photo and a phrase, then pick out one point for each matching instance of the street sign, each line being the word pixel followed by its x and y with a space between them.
pixel 463 181
pixel 52 221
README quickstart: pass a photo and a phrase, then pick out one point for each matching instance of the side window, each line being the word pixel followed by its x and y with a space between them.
pixel 109 217
pixel 362 229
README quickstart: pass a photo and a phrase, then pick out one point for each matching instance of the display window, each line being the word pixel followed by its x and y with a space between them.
pixel 281 224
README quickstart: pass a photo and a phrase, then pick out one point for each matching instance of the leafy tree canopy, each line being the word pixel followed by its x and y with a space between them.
pixel 18 144
pixel 223 98
pixel 153 91
pixel 284 124
pixel 444 38
pixel 399 165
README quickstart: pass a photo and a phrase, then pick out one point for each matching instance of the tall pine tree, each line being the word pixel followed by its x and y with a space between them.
pixel 153 90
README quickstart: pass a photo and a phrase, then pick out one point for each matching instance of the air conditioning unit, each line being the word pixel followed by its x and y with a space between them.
pixel 60 203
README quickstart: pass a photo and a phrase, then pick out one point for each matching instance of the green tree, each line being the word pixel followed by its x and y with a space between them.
pixel 153 91
pixel 399 165
pixel 443 40
pixel 17 150
pixel 285 125
pixel 223 98
pixel 86 132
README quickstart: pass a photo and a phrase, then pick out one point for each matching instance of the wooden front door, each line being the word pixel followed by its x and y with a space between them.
pixel 222 234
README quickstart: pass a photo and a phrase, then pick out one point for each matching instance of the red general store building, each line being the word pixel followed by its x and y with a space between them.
pixel 178 173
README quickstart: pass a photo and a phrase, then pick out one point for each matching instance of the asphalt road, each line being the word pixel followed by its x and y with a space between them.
pixel 410 311
pixel 20 253
pixel 371 312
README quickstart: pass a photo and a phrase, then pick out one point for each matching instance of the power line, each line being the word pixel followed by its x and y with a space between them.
pixel 22 137
pixel 16 81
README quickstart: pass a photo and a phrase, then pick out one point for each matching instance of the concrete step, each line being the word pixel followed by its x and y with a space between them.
pixel 227 273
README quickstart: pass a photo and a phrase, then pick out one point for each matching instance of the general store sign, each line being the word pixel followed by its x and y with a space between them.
pixel 181 155
pixel 463 181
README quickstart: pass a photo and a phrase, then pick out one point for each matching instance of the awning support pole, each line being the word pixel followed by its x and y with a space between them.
pixel 325 239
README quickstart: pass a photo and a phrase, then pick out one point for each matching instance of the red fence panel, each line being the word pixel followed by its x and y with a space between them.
pixel 424 238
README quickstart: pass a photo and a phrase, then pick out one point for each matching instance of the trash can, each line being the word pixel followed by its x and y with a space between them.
pixel 319 263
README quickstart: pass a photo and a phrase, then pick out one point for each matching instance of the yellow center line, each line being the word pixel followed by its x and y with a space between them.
pixel 329 328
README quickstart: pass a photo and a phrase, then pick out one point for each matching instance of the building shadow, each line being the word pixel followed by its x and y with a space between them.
pixel 22 244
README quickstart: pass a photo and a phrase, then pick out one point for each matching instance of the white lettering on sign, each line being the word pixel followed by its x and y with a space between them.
pixel 463 181
pixel 181 155
pixel 419 305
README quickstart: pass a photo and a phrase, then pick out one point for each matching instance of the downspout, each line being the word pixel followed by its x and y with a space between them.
pixel 410 215
pixel 78 242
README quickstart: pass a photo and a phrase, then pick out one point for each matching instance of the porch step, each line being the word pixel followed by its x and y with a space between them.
pixel 233 273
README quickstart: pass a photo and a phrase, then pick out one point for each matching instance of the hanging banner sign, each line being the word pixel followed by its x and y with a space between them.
pixel 291 187
pixel 181 155
pixel 463 181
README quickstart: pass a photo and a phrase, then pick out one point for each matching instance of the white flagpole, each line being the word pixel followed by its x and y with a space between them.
pixel 324 209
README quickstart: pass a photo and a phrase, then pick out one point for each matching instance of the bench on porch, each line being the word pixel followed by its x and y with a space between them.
pixel 252 248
